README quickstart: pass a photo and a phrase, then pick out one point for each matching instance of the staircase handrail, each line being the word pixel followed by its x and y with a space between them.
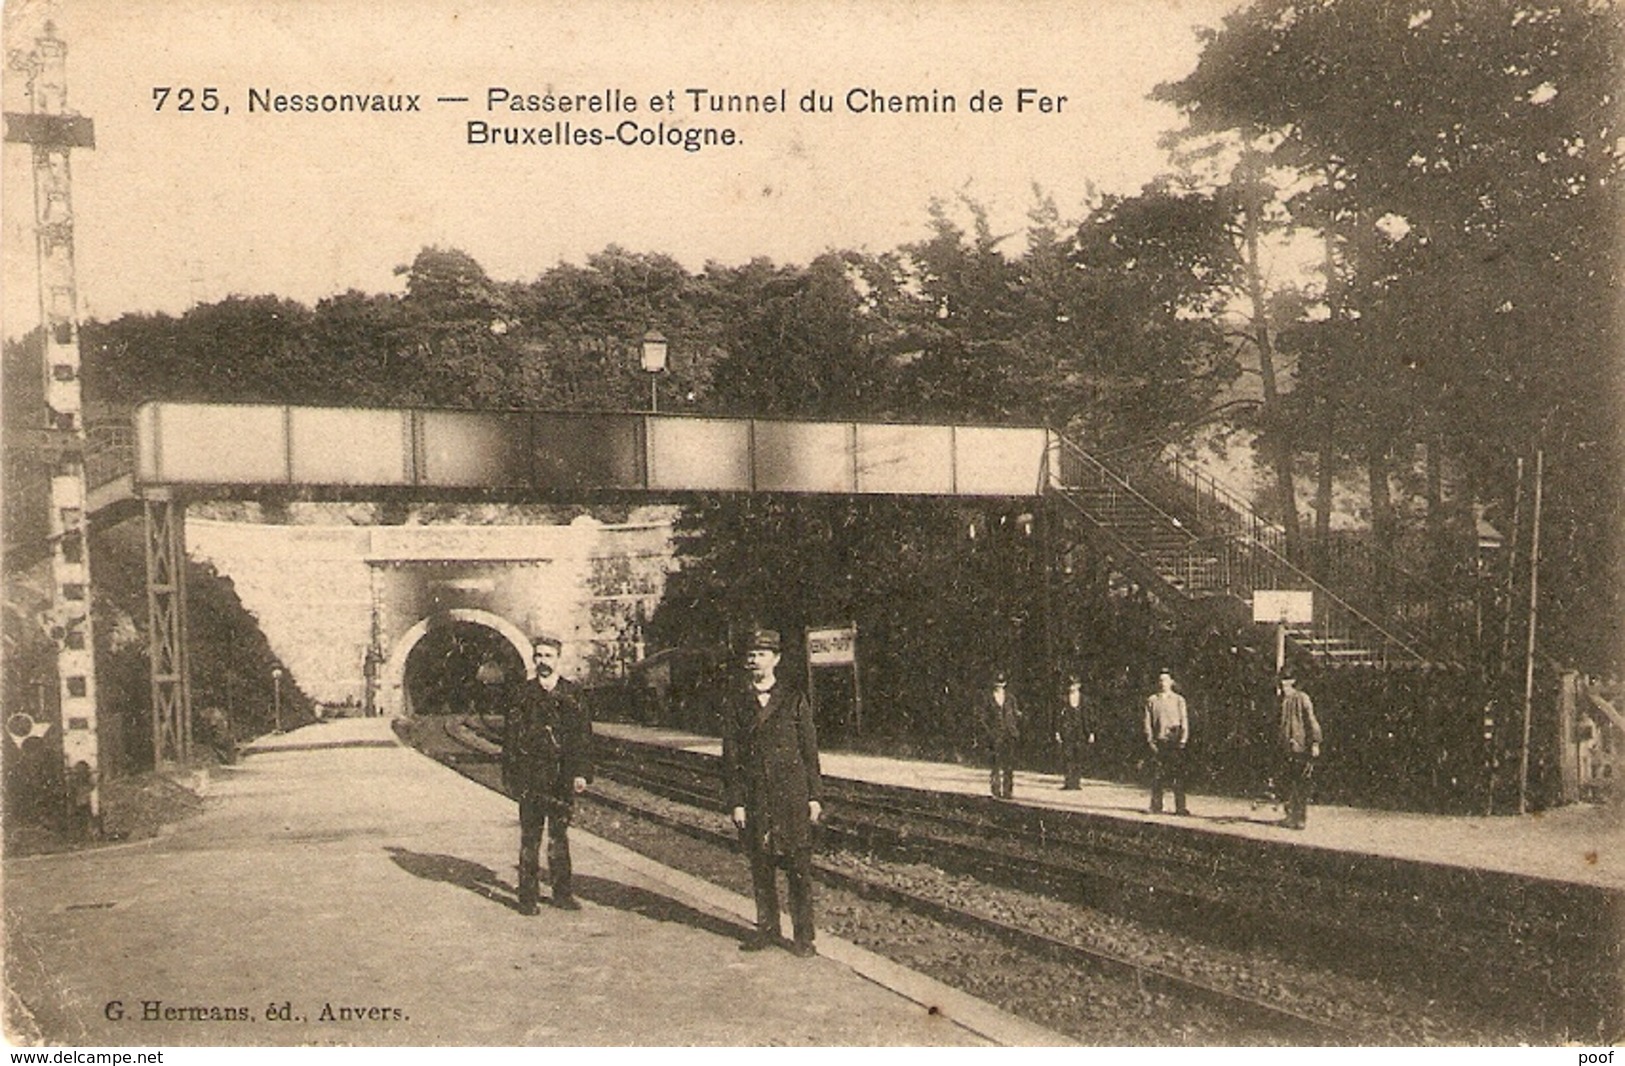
pixel 109 451
pixel 1234 500
pixel 1155 446
pixel 1118 481
pixel 1218 488
pixel 109 455
pixel 1280 561
pixel 1405 642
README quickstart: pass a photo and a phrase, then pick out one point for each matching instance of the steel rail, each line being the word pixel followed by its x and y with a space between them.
pixel 1168 889
pixel 1091 870
pixel 1268 1016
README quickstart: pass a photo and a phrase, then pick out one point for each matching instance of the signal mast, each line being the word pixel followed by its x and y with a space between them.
pixel 54 131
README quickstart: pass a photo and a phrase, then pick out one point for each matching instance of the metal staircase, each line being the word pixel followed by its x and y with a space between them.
pixel 1203 545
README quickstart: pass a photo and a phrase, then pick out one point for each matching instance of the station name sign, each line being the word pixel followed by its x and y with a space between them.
pixel 1287 606
pixel 832 647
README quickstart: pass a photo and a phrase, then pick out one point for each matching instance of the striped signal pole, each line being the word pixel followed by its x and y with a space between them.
pixel 53 132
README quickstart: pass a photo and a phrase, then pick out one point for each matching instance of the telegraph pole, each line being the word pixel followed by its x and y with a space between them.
pixel 54 131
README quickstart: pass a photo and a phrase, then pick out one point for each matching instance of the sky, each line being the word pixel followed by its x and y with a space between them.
pixel 173 208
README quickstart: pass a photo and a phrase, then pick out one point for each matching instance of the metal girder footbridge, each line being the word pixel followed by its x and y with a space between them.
pixel 203 451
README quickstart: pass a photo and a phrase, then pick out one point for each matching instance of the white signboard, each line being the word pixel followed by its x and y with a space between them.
pixel 832 647
pixel 1278 605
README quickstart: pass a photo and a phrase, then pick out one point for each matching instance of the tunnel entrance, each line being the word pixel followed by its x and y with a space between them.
pixel 441 668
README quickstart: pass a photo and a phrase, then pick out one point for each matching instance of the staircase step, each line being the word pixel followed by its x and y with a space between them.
pixel 1167 542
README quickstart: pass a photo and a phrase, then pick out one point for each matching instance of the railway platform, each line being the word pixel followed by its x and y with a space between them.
pixel 1583 844
pixel 1517 917
pixel 341 889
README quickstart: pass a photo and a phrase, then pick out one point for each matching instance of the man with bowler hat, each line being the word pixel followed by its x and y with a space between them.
pixel 1300 747
pixel 546 763
pixel 774 788
pixel 1001 727
pixel 1167 731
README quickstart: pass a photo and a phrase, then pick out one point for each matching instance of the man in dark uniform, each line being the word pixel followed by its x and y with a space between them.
pixel 773 786
pixel 1300 747
pixel 546 763
pixel 1074 731
pixel 1001 727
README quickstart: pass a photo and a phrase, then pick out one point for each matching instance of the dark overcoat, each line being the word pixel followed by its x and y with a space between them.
pixel 547 740
pixel 770 767
pixel 1001 726
pixel 1074 724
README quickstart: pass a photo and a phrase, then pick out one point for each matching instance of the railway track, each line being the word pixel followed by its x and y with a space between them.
pixel 1270 1017
pixel 1539 954
pixel 685 782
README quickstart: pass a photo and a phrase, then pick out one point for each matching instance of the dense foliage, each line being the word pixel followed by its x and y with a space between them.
pixel 1460 162
pixel 1458 165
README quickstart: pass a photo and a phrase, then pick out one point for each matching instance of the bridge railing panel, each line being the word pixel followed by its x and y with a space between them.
pixel 699 454
pixel 473 449
pixel 588 451
pixel 341 446
pixel 221 443
pixel 905 460
pixel 999 461
pixel 805 456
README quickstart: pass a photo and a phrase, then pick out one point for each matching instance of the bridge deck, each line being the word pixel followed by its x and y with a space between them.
pixel 365 451
pixel 1583 844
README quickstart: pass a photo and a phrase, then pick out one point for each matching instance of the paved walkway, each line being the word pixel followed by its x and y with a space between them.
pixel 342 889
pixel 1581 843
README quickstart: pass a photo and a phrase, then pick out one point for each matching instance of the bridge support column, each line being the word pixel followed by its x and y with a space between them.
pixel 164 519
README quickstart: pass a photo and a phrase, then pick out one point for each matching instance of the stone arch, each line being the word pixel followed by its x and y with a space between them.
pixel 392 678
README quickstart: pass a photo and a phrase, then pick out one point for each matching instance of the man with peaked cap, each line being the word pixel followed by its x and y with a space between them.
pixel 1300 747
pixel 773 787
pixel 1167 731
pixel 1074 731
pixel 546 763
pixel 1001 728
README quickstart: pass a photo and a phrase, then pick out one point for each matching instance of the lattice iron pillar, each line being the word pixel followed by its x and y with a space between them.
pixel 53 132
pixel 164 521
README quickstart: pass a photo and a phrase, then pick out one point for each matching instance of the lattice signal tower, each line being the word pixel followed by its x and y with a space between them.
pixel 54 131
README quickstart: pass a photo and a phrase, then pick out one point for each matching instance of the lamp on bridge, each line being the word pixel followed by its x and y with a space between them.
pixel 654 364
pixel 276 695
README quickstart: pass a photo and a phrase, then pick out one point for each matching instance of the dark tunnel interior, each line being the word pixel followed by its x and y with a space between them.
pixel 442 669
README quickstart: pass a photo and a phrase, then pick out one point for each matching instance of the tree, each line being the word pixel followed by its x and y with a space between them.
pixel 453 330
pixel 243 349
pixel 578 329
pixel 362 348
pixel 1105 327
pixel 802 341
pixel 962 323
pixel 1140 343
pixel 1467 172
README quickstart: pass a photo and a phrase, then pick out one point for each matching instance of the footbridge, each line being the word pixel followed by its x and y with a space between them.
pixel 236 447
pixel 192 452
pixel 1208 552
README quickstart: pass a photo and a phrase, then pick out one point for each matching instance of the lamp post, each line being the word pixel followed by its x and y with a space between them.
pixel 276 695
pixel 654 363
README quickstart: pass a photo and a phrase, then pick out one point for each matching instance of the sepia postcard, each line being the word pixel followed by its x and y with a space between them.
pixel 879 414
